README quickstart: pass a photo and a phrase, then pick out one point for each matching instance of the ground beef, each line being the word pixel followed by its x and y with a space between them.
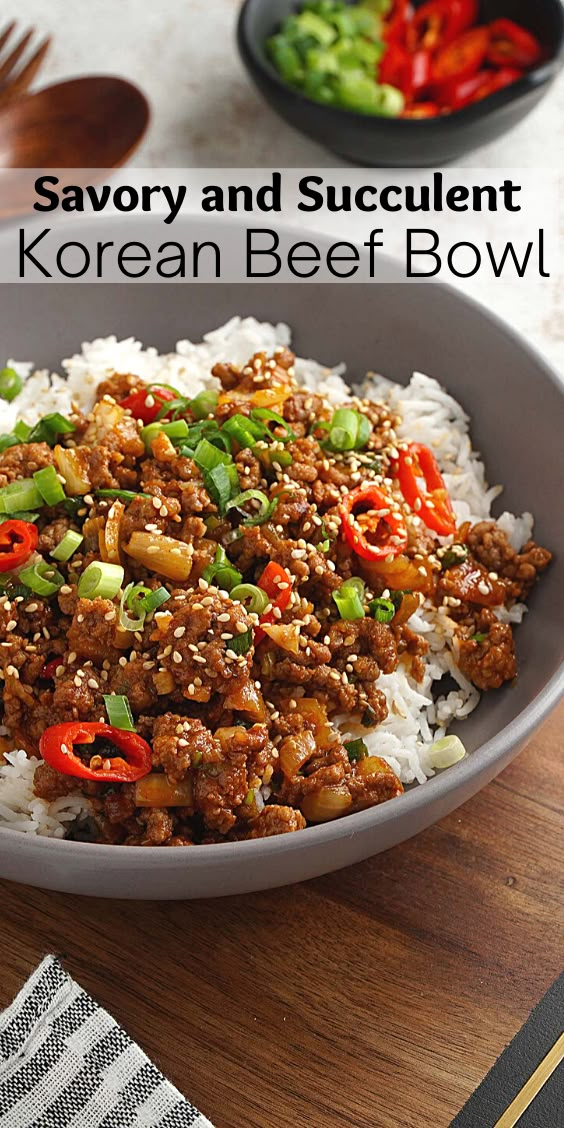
pixel 249 470
pixel 491 547
pixel 50 784
pixel 193 648
pixel 51 535
pixel 304 408
pixel 489 661
pixel 372 781
pixel 274 819
pixel 78 695
pixel 134 679
pixel 114 429
pixel 92 633
pixel 142 512
pixel 179 743
pixel 261 372
pixel 23 460
pixel 158 827
pixel 118 386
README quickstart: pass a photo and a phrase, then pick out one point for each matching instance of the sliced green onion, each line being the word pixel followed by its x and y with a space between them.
pixel 356 749
pixel 42 578
pixel 221 573
pixel 119 712
pixel 155 599
pixel 276 457
pixel 242 643
pixel 480 637
pixel 10 384
pixel 382 610
pixel 348 430
pixel 123 495
pixel 67 546
pixel 266 506
pixel 22 431
pixel 446 752
pixel 49 428
pixel 125 620
pixel 22 494
pixel 136 594
pixel 204 404
pixel 354 584
pixel 344 429
pixel 175 431
pixel 264 414
pixel 100 580
pixel 19 515
pixel 8 440
pixel 49 485
pixel 207 456
pixel 245 431
pixel 349 603
pixel 222 482
pixel 253 598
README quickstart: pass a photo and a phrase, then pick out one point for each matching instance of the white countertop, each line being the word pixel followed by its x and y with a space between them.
pixel 205 112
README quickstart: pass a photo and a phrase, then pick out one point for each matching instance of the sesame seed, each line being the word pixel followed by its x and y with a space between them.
pixel 71 658
pixel 177 657
pixel 179 632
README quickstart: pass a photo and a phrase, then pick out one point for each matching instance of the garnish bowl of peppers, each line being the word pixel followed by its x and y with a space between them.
pixel 402 83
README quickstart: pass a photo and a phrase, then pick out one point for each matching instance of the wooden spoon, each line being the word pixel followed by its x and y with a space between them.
pixel 92 122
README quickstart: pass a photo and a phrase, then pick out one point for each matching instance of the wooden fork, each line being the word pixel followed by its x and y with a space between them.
pixel 14 79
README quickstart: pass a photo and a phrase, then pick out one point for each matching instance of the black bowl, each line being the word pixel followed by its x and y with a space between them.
pixel 389 142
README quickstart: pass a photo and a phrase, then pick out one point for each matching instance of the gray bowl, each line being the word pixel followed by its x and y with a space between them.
pixel 517 405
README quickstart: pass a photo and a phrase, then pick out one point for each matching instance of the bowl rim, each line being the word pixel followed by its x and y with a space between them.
pixel 255 60
pixel 439 788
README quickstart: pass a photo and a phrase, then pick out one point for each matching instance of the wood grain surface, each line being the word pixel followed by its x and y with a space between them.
pixel 377 997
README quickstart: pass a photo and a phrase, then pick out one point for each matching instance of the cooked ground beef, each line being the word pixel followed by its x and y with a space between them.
pixel 238 714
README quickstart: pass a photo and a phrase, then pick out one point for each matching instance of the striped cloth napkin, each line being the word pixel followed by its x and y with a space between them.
pixel 65 1063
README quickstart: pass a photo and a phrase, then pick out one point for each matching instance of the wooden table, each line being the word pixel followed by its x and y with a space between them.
pixel 375 998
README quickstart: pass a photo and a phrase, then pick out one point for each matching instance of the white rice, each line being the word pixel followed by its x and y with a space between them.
pixel 429 415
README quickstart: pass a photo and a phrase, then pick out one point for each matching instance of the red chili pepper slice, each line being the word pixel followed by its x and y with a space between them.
pixel 438 22
pixel 49 670
pixel 277 584
pixel 397 22
pixel 463 57
pixel 18 539
pixel 458 93
pixel 411 73
pixel 138 406
pixel 57 748
pixel 422 110
pixel 513 45
pixel 424 490
pixel 373 526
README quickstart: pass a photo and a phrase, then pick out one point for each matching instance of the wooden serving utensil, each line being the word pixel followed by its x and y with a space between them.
pixel 92 122
pixel 14 80
pixel 86 124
